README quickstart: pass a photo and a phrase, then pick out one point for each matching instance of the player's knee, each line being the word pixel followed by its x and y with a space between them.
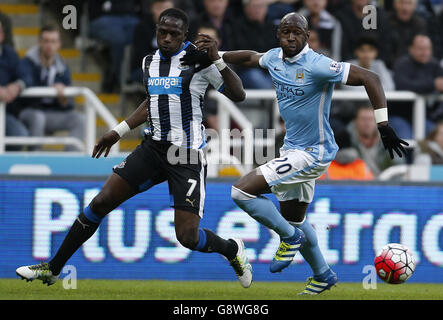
pixel 101 204
pixel 188 238
pixel 237 194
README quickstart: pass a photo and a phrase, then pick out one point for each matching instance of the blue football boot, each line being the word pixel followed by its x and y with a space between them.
pixel 317 284
pixel 287 250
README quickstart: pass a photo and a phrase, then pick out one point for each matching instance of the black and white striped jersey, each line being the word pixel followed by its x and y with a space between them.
pixel 175 97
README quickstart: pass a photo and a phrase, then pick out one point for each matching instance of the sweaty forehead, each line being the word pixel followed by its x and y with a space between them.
pixel 171 22
pixel 293 20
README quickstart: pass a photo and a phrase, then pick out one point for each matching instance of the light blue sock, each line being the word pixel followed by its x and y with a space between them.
pixel 310 250
pixel 264 211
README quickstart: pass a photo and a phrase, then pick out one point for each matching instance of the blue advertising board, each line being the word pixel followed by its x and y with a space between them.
pixel 137 240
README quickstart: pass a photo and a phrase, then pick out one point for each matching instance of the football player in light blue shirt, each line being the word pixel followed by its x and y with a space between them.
pixel 304 81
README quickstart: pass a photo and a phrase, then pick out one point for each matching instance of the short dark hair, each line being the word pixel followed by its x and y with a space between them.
pixel 367 40
pixel 411 41
pixel 48 28
pixel 208 25
pixel 178 14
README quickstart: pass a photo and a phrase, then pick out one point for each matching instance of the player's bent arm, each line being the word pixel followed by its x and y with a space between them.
pixel 358 76
pixel 233 86
pixel 139 116
pixel 111 137
pixel 371 81
pixel 244 58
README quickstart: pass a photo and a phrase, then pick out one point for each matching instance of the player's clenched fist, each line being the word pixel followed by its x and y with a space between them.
pixel 209 44
pixel 105 143
pixel 195 56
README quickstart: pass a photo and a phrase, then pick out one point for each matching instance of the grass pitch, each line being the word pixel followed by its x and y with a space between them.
pixel 16 289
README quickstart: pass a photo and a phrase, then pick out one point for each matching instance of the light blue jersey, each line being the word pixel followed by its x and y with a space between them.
pixel 304 85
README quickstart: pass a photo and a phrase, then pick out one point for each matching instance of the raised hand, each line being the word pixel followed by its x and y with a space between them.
pixel 195 56
pixel 105 143
pixel 209 44
pixel 391 141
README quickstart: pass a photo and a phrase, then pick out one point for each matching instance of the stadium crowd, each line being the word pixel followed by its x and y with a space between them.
pixel 405 50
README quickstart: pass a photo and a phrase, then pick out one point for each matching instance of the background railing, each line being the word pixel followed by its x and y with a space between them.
pixel 227 110
pixel 92 107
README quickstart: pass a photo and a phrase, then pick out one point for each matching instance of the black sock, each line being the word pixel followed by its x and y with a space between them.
pixel 214 243
pixel 80 232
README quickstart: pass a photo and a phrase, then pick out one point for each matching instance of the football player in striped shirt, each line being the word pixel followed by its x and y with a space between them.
pixel 172 150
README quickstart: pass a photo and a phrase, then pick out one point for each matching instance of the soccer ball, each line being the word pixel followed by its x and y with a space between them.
pixel 395 263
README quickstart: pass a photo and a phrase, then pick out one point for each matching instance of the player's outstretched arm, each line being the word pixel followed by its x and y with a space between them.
pixel 362 77
pixel 105 143
pixel 233 85
pixel 244 58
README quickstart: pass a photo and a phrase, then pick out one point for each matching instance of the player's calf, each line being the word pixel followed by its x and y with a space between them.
pixel 188 238
pixel 233 250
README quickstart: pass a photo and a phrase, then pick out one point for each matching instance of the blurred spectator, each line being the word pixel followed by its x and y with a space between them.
pixel 43 67
pixel 435 27
pixel 366 140
pixel 279 8
pixel 335 6
pixel 314 42
pixel 421 73
pixel 10 87
pixel 351 19
pixel 145 39
pixel 427 8
pixel 209 29
pixel 217 15
pixel 366 52
pixel 386 4
pixel 113 22
pixel 347 164
pixel 192 8
pixel 6 29
pixel 254 32
pixel 404 24
pixel 327 27
pixel 430 151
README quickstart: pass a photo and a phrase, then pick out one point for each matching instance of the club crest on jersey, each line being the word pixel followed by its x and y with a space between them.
pixel 299 76
pixel 335 66
pixel 121 165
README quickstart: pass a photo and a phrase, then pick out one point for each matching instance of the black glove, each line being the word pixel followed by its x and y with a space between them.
pixel 194 57
pixel 391 141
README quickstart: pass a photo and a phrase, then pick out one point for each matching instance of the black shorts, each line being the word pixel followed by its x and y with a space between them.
pixel 154 162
